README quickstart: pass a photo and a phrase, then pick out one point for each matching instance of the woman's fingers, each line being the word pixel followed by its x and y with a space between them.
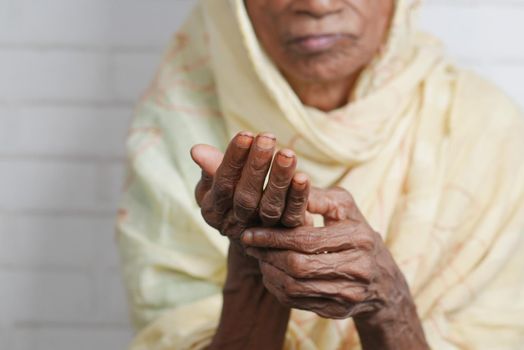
pixel 350 264
pixel 219 199
pixel 334 204
pixel 249 189
pixel 207 157
pixel 235 180
pixel 336 289
pixel 310 240
pixel 273 200
pixel 296 203
pixel 308 294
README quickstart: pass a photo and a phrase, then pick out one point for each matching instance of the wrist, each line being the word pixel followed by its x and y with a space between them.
pixel 395 325
pixel 240 266
pixel 251 318
pixel 389 312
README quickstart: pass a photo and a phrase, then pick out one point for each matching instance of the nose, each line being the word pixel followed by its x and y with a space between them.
pixel 317 8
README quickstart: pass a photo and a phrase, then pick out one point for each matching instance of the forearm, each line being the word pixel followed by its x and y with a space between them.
pixel 391 329
pixel 251 317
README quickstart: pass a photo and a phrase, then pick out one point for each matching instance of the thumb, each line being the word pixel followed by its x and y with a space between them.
pixel 331 204
pixel 208 158
pixel 319 202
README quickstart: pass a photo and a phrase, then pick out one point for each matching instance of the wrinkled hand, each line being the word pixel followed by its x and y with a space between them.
pixel 232 196
pixel 337 271
pixel 231 191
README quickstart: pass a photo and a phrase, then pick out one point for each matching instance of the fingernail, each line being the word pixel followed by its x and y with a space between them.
pixel 265 142
pixel 268 135
pixel 300 181
pixel 244 141
pixel 299 186
pixel 247 237
pixel 284 161
pixel 285 158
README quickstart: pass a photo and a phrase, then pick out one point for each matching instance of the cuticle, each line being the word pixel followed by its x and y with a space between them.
pixel 246 134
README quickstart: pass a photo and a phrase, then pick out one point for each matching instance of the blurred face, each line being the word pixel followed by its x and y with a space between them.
pixel 320 41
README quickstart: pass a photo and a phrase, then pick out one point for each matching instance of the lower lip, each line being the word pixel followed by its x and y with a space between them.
pixel 316 44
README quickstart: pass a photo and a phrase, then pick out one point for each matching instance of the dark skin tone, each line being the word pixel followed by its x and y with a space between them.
pixel 277 260
pixel 232 198
pixel 338 271
pixel 321 46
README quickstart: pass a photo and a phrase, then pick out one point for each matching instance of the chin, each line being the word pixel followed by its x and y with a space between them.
pixel 321 69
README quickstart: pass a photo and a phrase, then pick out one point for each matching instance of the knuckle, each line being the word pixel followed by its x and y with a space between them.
pixel 273 240
pixel 280 181
pixel 292 219
pixel 233 166
pixel 265 238
pixel 365 242
pixel 245 200
pixel 271 207
pixel 295 263
pixel 310 242
pixel 297 201
pixel 259 166
pixel 274 196
pixel 354 296
pixel 364 272
pixel 222 189
pixel 295 207
pixel 270 212
pixel 279 186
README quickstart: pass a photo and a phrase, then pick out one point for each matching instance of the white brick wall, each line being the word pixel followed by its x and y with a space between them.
pixel 69 73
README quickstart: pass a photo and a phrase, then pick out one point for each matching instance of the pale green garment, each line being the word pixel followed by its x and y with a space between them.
pixel 433 155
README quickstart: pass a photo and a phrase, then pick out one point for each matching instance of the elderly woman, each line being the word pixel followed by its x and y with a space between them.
pixel 371 195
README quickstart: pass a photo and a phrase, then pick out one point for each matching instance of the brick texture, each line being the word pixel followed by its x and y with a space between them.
pixel 70 73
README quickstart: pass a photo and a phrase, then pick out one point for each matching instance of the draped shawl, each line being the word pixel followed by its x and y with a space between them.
pixel 433 155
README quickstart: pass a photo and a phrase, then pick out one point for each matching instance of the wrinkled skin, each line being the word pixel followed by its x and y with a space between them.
pixel 232 196
pixel 338 271
pixel 230 192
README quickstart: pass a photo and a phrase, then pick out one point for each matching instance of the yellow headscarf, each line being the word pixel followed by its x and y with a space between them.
pixel 433 156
